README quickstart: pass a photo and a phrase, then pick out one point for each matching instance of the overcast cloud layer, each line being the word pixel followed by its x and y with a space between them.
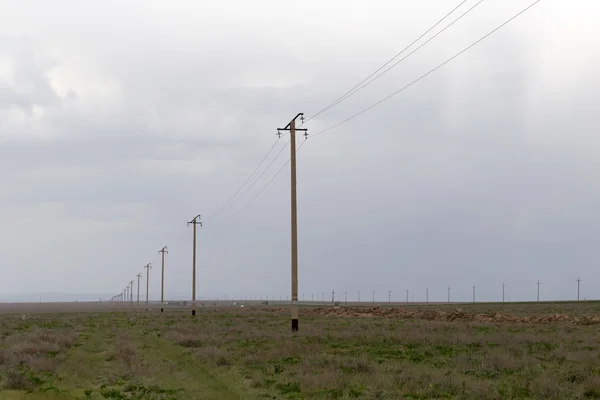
pixel 120 121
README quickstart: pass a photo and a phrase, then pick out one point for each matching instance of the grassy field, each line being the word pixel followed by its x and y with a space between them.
pixel 433 352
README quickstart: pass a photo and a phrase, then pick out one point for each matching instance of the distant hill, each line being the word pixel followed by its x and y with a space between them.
pixel 57 297
pixel 51 297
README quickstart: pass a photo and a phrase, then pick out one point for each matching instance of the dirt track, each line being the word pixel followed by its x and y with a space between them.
pixel 455 314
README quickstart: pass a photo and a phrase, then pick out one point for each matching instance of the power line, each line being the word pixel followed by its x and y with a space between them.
pixel 351 91
pixel 247 180
pixel 268 183
pixel 412 52
pixel 261 175
pixel 428 73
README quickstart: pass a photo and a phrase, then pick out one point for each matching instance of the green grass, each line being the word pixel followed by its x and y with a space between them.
pixel 251 354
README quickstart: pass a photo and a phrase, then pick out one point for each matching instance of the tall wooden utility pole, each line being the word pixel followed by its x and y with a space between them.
pixel 333 296
pixel 389 296
pixel 162 284
pixel 427 296
pixel 148 267
pixel 473 293
pixel 292 128
pixel 407 295
pixel 538 290
pixel 503 286
pixel 449 294
pixel 195 221
pixel 578 281
pixel 138 288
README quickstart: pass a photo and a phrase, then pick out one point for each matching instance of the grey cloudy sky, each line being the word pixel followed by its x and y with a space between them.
pixel 120 121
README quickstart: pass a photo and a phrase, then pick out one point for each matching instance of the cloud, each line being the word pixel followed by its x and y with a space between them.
pixel 116 128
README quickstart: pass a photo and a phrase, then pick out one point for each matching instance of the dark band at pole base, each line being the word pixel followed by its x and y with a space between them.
pixel 162 310
pixel 295 325
pixel 193 312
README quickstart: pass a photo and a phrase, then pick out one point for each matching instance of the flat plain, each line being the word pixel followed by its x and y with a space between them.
pixel 466 351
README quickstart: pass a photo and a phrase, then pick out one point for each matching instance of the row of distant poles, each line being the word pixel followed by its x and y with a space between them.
pixel 127 294
pixel 408 295
pixel 128 291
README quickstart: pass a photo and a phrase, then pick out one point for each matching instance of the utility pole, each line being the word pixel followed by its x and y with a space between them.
pixel 345 298
pixel 291 126
pixel 407 295
pixel 473 293
pixel 373 297
pixel 427 296
pixel 449 294
pixel 389 296
pixel 148 267
pixel 538 290
pixel 578 281
pixel 195 221
pixel 131 294
pixel 333 296
pixel 162 285
pixel 503 286
pixel 138 288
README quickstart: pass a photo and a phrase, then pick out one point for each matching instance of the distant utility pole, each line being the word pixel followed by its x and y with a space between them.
pixel 538 290
pixel 195 221
pixel 138 288
pixel 427 296
pixel 578 281
pixel 345 298
pixel 373 297
pixel 291 126
pixel 449 289
pixel 131 294
pixel 162 282
pixel 148 267
pixel 503 286
pixel 389 296
pixel 473 293
pixel 333 296
pixel 407 295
